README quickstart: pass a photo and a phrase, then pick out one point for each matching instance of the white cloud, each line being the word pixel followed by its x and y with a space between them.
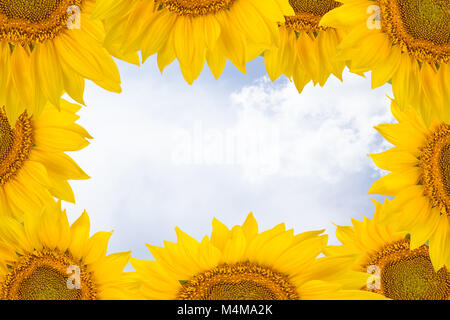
pixel 149 176
pixel 322 133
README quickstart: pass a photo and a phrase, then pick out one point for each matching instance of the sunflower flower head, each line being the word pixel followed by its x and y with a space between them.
pixel 243 264
pixel 48 48
pixel 45 258
pixel 403 42
pixel 307 51
pixel 398 271
pixel 194 31
pixel 418 179
pixel 33 164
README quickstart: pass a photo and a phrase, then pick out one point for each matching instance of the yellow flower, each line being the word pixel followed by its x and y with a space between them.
pixel 399 271
pixel 33 165
pixel 241 263
pixel 403 41
pixel 307 51
pixel 419 180
pixel 193 31
pixel 47 48
pixel 44 258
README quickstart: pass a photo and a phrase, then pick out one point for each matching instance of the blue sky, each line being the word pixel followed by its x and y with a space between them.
pixel 167 154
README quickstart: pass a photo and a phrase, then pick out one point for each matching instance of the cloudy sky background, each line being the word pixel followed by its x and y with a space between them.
pixel 167 154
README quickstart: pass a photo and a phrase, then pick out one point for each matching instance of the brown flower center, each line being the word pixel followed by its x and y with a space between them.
pixel 241 281
pixel 48 275
pixel 435 166
pixel 15 145
pixel 24 22
pixel 406 274
pixel 308 14
pixel 195 7
pixel 419 27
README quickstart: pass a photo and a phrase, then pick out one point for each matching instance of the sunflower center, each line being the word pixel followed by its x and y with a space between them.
pixel 32 11
pixel 409 275
pixel 195 7
pixel 421 28
pixel 435 165
pixel 444 166
pixel 26 22
pixel 48 275
pixel 308 14
pixel 15 145
pixel 241 281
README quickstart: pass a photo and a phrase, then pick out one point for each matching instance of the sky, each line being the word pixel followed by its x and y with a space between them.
pixel 168 154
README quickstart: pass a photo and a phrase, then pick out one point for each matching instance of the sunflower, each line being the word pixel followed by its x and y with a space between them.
pixel 47 48
pixel 307 51
pixel 33 165
pixel 419 180
pixel 402 41
pixel 399 271
pixel 242 264
pixel 193 31
pixel 44 258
